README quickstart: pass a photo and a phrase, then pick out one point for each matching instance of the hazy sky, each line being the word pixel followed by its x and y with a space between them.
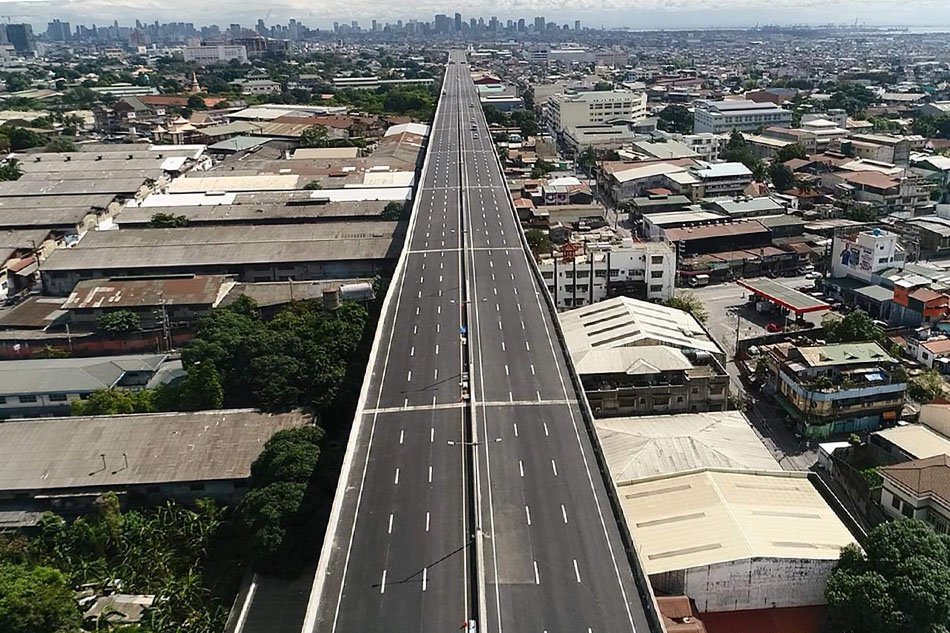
pixel 632 13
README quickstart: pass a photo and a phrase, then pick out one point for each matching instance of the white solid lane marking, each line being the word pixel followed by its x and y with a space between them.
pixel 390 531
pixel 382 585
pixel 564 513
pixel 577 574
pixel 396 478
pixel 527 514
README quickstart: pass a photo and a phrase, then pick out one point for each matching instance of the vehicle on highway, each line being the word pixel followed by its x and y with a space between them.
pixel 774 327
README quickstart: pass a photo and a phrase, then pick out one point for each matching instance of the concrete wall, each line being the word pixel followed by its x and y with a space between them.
pixel 751 583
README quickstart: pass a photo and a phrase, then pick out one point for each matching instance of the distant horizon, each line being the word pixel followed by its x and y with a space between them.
pixel 637 15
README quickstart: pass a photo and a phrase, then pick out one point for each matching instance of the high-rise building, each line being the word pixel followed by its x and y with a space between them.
pixel 58 31
pixel 577 25
pixel 539 24
pixel 458 22
pixel 21 36
pixel 375 26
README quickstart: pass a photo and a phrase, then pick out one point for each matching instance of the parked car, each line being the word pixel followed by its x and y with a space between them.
pixel 813 275
pixel 774 327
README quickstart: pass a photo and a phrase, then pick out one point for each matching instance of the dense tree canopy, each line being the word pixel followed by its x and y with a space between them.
pixel 853 98
pixel 35 599
pixel 795 150
pixel 933 127
pixel 856 326
pixel 781 176
pixel 738 151
pixel 119 321
pixel 675 118
pixel 899 584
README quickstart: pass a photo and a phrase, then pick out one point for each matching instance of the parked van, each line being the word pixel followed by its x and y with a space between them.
pixel 697 281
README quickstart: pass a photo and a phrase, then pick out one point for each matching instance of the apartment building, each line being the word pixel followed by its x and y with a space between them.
pixel 834 390
pixel 586 108
pixel 644 270
pixel 723 117
pixel 206 55
pixel 865 254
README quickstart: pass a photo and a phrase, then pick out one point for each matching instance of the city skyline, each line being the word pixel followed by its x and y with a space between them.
pixel 640 14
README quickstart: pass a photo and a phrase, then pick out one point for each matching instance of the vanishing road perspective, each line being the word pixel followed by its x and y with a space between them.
pixel 472 496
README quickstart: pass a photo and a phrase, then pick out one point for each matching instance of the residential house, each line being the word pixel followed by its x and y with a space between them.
pixel 918 489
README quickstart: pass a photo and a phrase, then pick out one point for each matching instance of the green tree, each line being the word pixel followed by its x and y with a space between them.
pixel 114 402
pixel 932 127
pixel 22 138
pixel 61 144
pixel 167 221
pixel 900 584
pixel 787 153
pixel 119 321
pixel 10 169
pixel 538 241
pixel 17 82
pixel 36 599
pixel 675 118
pixel 196 102
pixel 689 302
pixel 541 168
pixel 201 388
pixel 269 515
pixel 854 98
pixel 395 211
pixel 526 122
pixel 290 455
pixel 494 116
pixel 925 387
pixel 315 136
pixel 781 176
pixel 313 185
pixel 857 326
pixel 738 151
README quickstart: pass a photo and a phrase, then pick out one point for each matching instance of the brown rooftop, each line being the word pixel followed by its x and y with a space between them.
pixel 132 293
pixel 929 477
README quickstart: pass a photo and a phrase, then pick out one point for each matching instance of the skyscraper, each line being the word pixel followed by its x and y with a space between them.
pixel 58 31
pixel 577 25
pixel 458 22
pixel 21 36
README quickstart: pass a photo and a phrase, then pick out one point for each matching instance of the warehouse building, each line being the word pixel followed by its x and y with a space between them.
pixel 332 250
pixel 63 464
pixel 734 540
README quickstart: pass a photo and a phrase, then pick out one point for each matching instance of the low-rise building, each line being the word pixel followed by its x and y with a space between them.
pixel 718 117
pixel 645 270
pixel 48 387
pixel 331 250
pixel 65 463
pixel 602 136
pixel 170 302
pixel 734 540
pixel 585 108
pixel 206 55
pixel 833 390
pixel 918 489
pixel 722 179
pixel 640 358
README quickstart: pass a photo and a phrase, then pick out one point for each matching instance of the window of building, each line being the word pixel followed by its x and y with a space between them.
pixel 614 272
pixel 27 398
pixel 895 502
pixel 196 487
pixel 547 274
pixel 656 287
pixel 656 259
pixel 583 274
pixel 3 399
pixel 656 274
pixel 908 511
pixel 882 260
pixel 57 397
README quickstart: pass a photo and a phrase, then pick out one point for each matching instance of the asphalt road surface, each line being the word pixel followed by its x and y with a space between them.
pixel 400 551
